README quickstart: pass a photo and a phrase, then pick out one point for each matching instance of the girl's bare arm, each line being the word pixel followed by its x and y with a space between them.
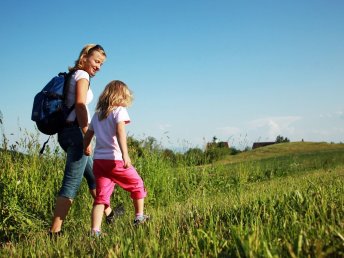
pixel 122 141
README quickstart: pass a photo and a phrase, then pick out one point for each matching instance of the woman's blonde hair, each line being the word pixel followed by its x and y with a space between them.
pixel 115 94
pixel 86 52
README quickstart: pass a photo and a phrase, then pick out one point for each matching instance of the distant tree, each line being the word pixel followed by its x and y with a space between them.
pixel 247 148
pixel 151 143
pixel 135 148
pixel 234 151
pixel 194 156
pixel 222 144
pixel 169 155
pixel 280 139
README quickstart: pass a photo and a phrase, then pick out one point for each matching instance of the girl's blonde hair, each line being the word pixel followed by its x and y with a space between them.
pixel 115 94
pixel 86 52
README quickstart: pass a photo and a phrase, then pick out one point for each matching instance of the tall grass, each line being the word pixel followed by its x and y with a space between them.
pixel 287 205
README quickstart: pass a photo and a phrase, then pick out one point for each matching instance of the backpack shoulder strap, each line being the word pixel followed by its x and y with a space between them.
pixel 66 86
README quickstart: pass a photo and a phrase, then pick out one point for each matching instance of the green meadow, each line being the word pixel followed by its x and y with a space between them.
pixel 283 200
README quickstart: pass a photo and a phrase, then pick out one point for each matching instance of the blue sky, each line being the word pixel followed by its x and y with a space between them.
pixel 242 71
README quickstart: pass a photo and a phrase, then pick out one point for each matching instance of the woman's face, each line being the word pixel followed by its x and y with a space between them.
pixel 93 63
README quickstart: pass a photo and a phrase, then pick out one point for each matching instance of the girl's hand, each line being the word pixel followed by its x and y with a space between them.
pixel 122 141
pixel 127 161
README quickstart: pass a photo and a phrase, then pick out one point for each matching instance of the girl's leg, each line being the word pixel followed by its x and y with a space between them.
pixel 129 180
pixel 97 215
pixel 138 205
pixel 105 187
pixel 139 216
pixel 91 181
pixel 108 210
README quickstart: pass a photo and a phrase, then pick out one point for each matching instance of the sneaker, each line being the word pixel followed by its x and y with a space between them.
pixel 96 234
pixel 118 211
pixel 140 220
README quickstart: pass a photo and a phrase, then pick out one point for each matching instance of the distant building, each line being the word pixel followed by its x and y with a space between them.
pixel 261 144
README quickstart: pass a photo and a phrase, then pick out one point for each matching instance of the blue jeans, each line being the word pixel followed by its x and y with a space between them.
pixel 77 164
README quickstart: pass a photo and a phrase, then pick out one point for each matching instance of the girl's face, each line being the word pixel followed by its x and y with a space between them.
pixel 93 63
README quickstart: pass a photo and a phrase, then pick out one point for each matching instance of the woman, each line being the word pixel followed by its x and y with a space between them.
pixel 70 138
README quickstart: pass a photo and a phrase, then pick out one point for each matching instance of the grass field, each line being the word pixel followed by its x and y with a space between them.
pixel 283 200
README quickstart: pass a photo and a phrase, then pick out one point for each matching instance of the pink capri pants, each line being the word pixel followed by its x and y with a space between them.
pixel 108 173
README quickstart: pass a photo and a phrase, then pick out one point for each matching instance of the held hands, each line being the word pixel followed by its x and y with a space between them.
pixel 88 135
pixel 88 150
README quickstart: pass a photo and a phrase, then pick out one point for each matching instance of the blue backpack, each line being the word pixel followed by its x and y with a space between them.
pixel 49 109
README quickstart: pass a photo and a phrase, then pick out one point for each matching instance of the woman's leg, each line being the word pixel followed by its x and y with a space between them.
pixel 70 140
pixel 61 209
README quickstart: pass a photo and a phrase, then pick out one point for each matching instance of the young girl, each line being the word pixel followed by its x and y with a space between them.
pixel 112 164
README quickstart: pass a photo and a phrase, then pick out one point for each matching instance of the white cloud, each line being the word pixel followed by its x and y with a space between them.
pixel 270 127
pixel 308 127
pixel 263 129
pixel 334 114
